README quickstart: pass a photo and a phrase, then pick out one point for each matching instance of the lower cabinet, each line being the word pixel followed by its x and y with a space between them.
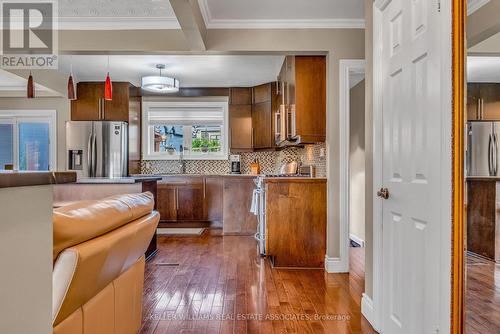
pixel 221 200
pixel 236 207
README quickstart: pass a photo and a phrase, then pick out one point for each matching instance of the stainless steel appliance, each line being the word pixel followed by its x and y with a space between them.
pixel 482 148
pixel 97 149
pixel 289 168
pixel 235 163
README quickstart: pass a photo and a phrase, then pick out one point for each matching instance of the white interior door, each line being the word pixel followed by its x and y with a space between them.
pixel 411 147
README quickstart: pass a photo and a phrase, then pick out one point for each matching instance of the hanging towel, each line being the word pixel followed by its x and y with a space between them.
pixel 254 208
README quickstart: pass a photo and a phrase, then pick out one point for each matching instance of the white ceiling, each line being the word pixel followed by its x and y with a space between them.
pixel 191 70
pixel 158 14
pixel 483 69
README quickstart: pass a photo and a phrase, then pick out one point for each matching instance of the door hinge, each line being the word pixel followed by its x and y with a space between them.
pixel 439 6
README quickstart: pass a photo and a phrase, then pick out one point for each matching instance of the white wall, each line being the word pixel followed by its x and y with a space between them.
pixel 357 161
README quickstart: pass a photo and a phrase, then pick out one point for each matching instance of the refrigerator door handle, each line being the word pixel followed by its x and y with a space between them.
pixel 495 154
pixel 89 155
pixel 490 158
pixel 94 155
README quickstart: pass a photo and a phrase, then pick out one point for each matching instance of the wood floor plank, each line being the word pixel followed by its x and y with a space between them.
pixel 219 284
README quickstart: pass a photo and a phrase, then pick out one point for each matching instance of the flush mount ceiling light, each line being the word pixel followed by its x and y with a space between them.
pixel 159 84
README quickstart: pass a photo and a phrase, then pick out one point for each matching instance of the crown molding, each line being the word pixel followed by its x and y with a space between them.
pixel 212 23
pixel 117 23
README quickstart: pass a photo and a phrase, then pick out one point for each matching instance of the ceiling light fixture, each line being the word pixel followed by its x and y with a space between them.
pixel 159 84
pixel 108 88
pixel 30 88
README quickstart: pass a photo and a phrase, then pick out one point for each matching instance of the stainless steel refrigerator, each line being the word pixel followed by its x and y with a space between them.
pixel 97 149
pixel 482 148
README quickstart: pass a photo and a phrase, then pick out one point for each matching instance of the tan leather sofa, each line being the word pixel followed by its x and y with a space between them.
pixel 98 273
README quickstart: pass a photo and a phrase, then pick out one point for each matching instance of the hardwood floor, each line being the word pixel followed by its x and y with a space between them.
pixel 215 284
pixel 482 296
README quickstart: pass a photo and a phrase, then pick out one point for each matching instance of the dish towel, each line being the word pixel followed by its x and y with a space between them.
pixel 254 208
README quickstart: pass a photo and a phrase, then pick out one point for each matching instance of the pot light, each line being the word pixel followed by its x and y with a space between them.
pixel 159 84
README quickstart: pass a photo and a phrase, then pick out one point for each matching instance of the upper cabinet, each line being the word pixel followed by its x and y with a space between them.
pixel 240 119
pixel 483 101
pixel 302 114
pixel 265 105
pixel 91 106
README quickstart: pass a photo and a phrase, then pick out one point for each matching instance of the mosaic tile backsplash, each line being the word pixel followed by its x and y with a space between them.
pixel 270 162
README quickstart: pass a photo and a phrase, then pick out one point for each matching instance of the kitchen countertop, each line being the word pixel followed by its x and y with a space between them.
pixel 482 178
pixel 119 180
pixel 22 179
pixel 296 179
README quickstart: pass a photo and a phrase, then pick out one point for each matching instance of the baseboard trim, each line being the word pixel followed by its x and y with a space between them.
pixel 357 240
pixel 367 310
pixel 335 265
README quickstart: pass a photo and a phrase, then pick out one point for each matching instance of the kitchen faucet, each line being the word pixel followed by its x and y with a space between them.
pixel 182 163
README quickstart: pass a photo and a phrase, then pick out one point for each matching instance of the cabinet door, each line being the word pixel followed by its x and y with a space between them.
pixel 167 202
pixel 262 93
pixel 473 96
pixel 490 93
pixel 240 126
pixel 213 198
pixel 237 199
pixel 240 95
pixel 262 125
pixel 86 107
pixel 117 109
pixel 190 202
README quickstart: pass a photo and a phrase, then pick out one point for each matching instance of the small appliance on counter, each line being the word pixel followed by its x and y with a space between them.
pixel 307 170
pixel 289 168
pixel 234 159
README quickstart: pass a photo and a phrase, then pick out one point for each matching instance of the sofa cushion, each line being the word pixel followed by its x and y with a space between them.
pixel 85 220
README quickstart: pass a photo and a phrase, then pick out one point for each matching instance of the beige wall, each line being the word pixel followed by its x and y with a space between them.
pixel 62 107
pixel 357 160
pixel 369 148
pixel 26 261
pixel 335 43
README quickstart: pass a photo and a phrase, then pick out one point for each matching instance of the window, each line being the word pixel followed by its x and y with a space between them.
pixel 27 140
pixel 197 129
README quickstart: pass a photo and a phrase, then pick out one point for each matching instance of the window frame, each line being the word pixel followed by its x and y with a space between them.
pixel 17 116
pixel 147 140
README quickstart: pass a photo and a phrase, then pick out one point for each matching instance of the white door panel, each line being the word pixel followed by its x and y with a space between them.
pixel 411 166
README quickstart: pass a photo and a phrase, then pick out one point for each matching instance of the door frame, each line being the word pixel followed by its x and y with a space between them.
pixel 451 193
pixel 345 66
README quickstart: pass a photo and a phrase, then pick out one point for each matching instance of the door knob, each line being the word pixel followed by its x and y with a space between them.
pixel 383 192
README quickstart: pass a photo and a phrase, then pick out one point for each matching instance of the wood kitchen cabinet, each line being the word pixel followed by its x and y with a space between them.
pixel 213 199
pixel 296 222
pixel 303 82
pixel 237 199
pixel 240 119
pixel 265 104
pixel 180 198
pixel 91 106
pixel 483 101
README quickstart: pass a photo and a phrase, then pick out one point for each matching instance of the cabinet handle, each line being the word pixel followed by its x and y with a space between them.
pixel 230 139
pixel 177 198
pixel 103 109
pixel 482 108
pixel 478 109
pixel 204 188
pixel 252 138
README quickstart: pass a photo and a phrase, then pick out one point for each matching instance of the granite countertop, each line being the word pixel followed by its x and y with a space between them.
pixel 24 179
pixel 301 179
pixel 119 180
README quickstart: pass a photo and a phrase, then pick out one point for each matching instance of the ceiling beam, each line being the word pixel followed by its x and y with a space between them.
pixel 483 23
pixel 50 79
pixel 188 14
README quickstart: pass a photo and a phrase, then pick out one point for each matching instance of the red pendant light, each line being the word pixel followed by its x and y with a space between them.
pixel 108 87
pixel 71 85
pixel 31 87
